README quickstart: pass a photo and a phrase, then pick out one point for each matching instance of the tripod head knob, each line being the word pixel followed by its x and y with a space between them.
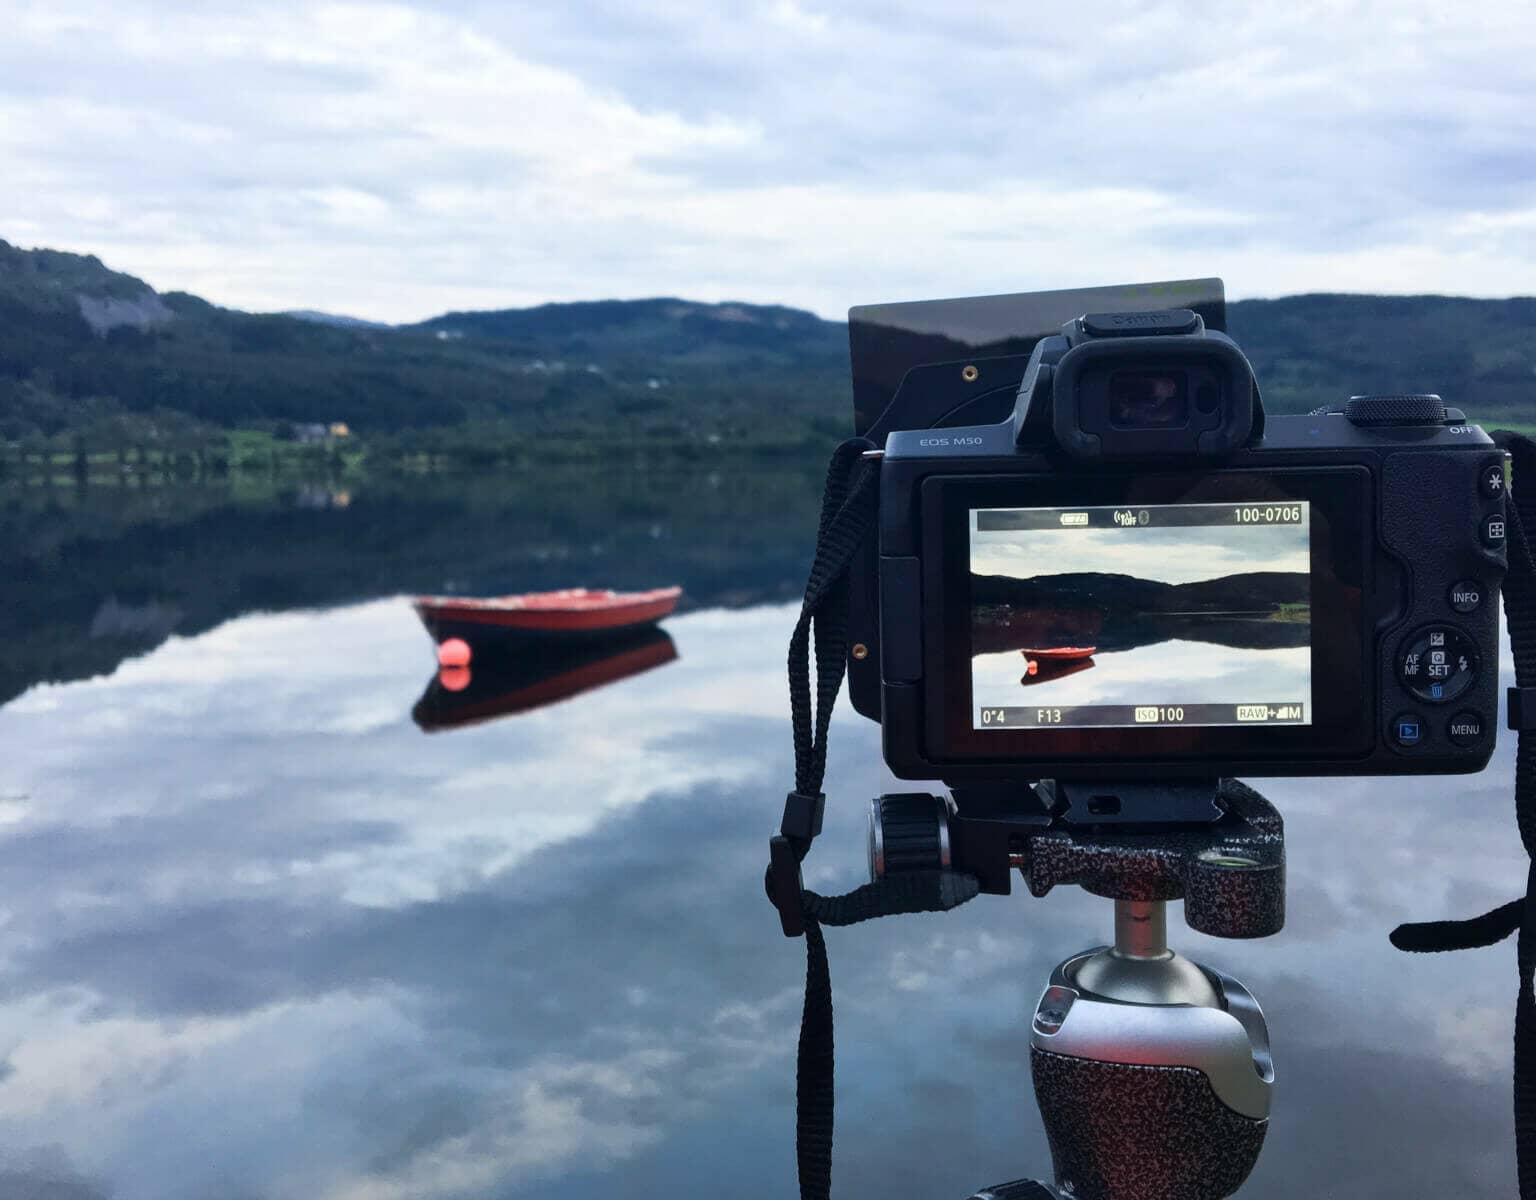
pixel 1018 1189
pixel 908 831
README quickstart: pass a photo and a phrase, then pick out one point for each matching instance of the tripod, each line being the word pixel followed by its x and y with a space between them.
pixel 1152 1073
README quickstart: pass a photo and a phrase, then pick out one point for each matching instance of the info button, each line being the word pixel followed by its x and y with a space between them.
pixel 1466 596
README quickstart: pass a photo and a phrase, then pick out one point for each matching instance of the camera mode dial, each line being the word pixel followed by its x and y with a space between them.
pixel 1413 408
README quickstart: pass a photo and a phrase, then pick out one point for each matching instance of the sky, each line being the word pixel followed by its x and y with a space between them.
pixel 1167 555
pixel 393 161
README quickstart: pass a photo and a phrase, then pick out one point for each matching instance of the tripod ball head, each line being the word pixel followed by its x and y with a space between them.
pixel 1161 1100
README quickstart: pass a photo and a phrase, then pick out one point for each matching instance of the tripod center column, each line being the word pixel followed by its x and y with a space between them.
pixel 1141 929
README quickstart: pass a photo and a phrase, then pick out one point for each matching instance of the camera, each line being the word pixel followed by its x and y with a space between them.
pixel 1096 556
pixel 1079 575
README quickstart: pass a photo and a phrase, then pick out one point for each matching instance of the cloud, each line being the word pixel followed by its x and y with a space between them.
pixel 1168 555
pixel 396 160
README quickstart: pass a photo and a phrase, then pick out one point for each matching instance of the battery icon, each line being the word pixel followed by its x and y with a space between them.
pixel 1074 520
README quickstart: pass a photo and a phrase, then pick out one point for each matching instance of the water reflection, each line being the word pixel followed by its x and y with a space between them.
pixel 92 576
pixel 261 939
pixel 506 683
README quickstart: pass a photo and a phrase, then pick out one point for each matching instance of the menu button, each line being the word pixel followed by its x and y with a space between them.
pixel 1465 729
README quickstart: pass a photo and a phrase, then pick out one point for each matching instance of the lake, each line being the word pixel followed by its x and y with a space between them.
pixel 262 937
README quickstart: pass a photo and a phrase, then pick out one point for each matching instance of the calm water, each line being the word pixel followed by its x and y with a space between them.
pixel 263 937
pixel 1172 672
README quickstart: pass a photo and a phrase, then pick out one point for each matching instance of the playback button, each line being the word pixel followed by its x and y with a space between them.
pixel 1407 729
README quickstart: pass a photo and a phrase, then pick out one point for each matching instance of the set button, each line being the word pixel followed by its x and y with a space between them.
pixel 1438 664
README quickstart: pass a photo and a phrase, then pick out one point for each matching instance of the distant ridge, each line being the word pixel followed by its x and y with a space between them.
pixel 337 319
pixel 84 349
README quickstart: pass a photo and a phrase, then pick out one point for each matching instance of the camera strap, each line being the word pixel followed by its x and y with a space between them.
pixel 847 517
pixel 1517 915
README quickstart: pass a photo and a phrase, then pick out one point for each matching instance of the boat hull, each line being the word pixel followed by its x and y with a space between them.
pixel 556 618
pixel 1060 653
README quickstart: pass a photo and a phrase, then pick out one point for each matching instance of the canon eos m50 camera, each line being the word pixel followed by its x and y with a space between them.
pixel 1096 556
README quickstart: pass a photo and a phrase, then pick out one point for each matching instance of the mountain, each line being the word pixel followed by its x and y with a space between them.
pixel 336 319
pixel 669 329
pixel 91 353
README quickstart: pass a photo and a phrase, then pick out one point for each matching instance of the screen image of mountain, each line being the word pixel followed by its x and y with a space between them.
pixel 1256 610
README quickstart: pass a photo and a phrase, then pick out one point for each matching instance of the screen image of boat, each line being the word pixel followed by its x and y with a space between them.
pixel 1175 614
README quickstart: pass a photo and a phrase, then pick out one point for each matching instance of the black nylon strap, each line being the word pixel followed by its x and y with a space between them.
pixel 1495 926
pixel 847 516
pixel 919 891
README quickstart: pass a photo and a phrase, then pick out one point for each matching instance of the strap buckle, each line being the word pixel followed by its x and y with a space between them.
pixel 783 884
pixel 802 815
pixel 1522 709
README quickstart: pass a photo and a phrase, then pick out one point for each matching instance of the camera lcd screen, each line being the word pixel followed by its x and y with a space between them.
pixel 1141 615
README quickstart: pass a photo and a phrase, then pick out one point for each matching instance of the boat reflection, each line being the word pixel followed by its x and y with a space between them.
pixel 1043 670
pixel 500 685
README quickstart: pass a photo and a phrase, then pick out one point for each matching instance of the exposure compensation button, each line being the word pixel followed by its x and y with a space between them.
pixel 1438 664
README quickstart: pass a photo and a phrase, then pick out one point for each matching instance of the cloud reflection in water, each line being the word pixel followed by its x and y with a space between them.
pixel 263 939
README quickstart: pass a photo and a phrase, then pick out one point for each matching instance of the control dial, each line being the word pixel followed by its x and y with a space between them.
pixel 1413 408
pixel 1438 664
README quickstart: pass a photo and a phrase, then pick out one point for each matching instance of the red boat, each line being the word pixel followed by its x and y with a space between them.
pixel 1060 653
pixel 575 614
pixel 1056 656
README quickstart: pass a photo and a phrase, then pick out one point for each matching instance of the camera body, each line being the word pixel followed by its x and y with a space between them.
pixel 1139 575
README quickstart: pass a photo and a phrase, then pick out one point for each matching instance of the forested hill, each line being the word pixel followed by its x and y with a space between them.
pixel 87 351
